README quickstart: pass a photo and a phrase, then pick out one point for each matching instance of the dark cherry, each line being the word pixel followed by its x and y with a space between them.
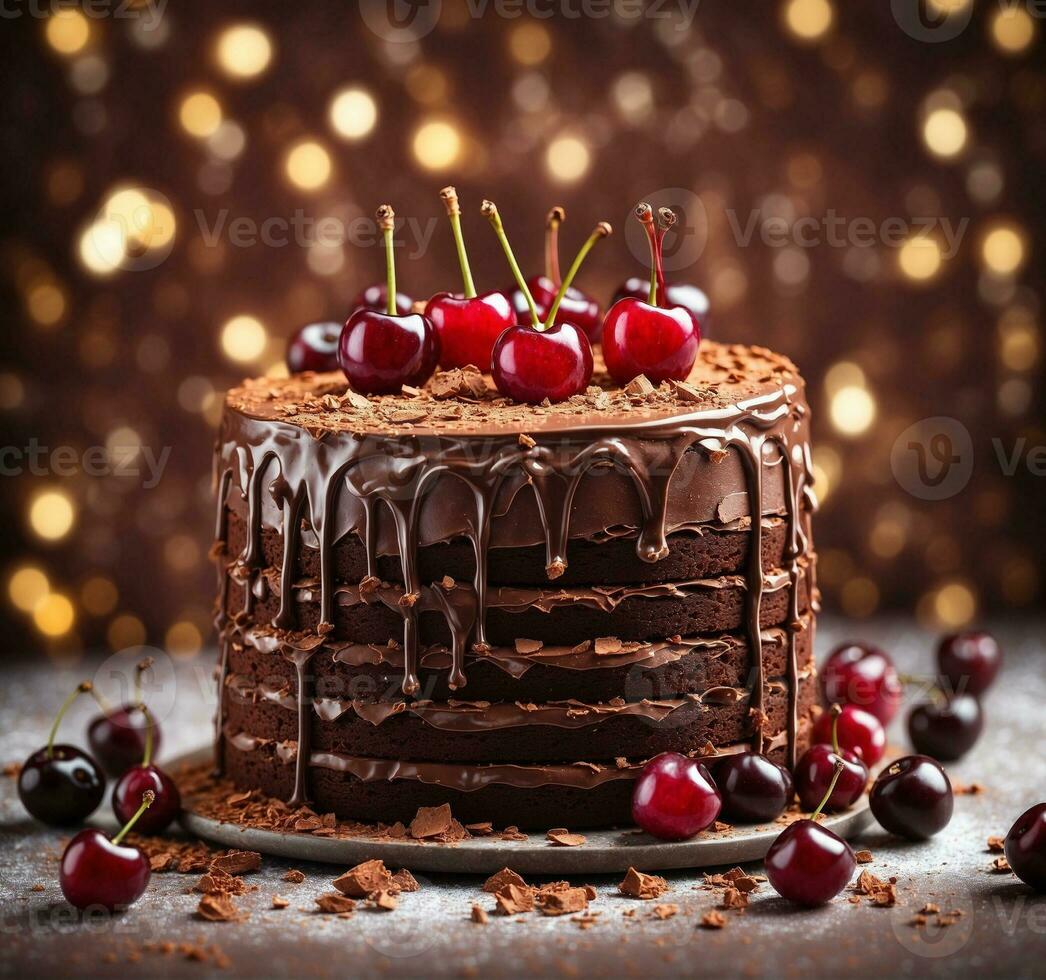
pixel 864 675
pixel 754 789
pixel 858 730
pixel 970 661
pixel 130 790
pixel 1026 847
pixel 683 294
pixel 808 864
pixel 813 776
pixel 376 297
pixel 649 337
pixel 675 797
pixel 99 872
pixel 61 785
pixel 913 798
pixel 117 738
pixel 314 347
pixel 946 729
pixel 381 352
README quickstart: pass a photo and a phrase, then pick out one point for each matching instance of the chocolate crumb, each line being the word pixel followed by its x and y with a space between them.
pixel 279 902
pixel 563 838
pixel 713 920
pixel 364 879
pixel 218 908
pixel 237 862
pixel 333 903
pixel 430 821
pixel 636 884
pixel 498 880
pixel 479 915
pixel 294 875
pixel 864 857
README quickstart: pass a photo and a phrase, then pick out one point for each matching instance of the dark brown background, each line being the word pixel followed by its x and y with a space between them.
pixel 737 110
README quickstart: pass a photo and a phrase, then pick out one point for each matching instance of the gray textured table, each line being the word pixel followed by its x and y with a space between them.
pixel 1002 930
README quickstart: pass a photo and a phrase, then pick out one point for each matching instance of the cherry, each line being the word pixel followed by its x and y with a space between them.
pixel 754 789
pixel 314 347
pixel 381 352
pixel 913 798
pixel 808 864
pixel 97 871
pixel 532 362
pixel 946 729
pixel 650 338
pixel 467 325
pixel 61 785
pixel 675 797
pixel 117 736
pixel 1026 847
pixel 858 730
pixel 132 786
pixel 817 769
pixel 970 661
pixel 683 294
pixel 376 297
pixel 576 307
pixel 864 675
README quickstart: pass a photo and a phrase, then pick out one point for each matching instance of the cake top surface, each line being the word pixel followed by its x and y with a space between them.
pixel 465 402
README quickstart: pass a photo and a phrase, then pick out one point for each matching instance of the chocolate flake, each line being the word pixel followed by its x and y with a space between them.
pixel 498 880
pixel 713 920
pixel 564 838
pixel 479 915
pixel 431 821
pixel 237 862
pixel 334 903
pixel 364 879
pixel 636 884
pixel 219 908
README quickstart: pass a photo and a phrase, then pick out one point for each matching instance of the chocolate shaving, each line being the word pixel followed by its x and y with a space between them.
pixel 636 884
pixel 237 862
pixel 479 915
pixel 506 876
pixel 364 879
pixel 713 920
pixel 219 908
pixel 564 838
pixel 431 821
pixel 334 903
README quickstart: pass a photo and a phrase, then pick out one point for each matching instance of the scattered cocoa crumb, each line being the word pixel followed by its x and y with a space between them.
pixel 294 875
pixel 564 838
pixel 364 879
pixel 996 845
pixel 525 440
pixel 1000 866
pixel 279 902
pixel 735 899
pixel 219 908
pixel 218 882
pixel 512 899
pixel 483 829
pixel 864 857
pixel 38 887
pixel 237 862
pixel 964 789
pixel 639 386
pixel 479 915
pixel 384 901
pixel 12 769
pixel 562 901
pixel 665 910
pixel 636 884
pixel 512 833
pixel 333 903
pixel 404 881
pixel 713 920
pixel 498 880
pixel 528 646
pixel 431 821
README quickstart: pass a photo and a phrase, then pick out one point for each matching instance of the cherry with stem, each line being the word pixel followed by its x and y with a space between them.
pixel 117 736
pixel 815 771
pixel 144 778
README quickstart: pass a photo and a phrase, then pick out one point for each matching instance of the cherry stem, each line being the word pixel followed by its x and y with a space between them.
pixel 555 218
pixel 148 756
pixel 386 221
pixel 141 667
pixel 106 707
pixel 645 213
pixel 449 196
pixel 666 219
pixel 490 211
pixel 147 801
pixel 602 230
pixel 82 688
pixel 836 712
pixel 831 789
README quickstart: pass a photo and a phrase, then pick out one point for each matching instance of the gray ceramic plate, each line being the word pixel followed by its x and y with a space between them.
pixel 603 851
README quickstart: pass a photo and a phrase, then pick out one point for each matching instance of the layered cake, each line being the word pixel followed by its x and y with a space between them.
pixel 443 596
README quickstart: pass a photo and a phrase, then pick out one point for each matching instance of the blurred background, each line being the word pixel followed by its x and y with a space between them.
pixel 859 187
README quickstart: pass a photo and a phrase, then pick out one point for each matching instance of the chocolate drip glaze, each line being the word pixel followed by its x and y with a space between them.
pixel 445 481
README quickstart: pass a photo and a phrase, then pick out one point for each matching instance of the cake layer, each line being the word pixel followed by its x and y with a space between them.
pixel 510 731
pixel 660 669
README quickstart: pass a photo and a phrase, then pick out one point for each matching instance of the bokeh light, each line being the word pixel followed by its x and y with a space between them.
pixel 243 338
pixel 852 410
pixel 567 159
pixel 52 514
pixel 54 615
pixel 436 145
pixel 1002 249
pixel 944 132
pixel 1012 29
pixel 27 586
pixel 308 165
pixel 530 43
pixel 919 258
pixel 67 31
pixel 353 113
pixel 808 20
pixel 243 50
pixel 200 114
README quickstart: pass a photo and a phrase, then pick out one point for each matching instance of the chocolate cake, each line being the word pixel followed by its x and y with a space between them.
pixel 445 596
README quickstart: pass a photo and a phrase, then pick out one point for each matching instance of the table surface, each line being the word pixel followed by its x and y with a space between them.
pixel 1002 930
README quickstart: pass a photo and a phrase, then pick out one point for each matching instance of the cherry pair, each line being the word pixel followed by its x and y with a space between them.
pixel 820 767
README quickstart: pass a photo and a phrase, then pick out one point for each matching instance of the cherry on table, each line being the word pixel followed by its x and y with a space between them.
pixel 819 768
pixel 61 785
pixel 376 297
pixel 314 347
pixel 97 871
pixel 754 789
pixel 650 338
pixel 970 661
pixel 117 735
pixel 858 730
pixel 131 788
pixel 863 675
pixel 684 294
pixel 1025 847
pixel 381 352
pixel 675 797
pixel 947 728
pixel 913 798
pixel 807 863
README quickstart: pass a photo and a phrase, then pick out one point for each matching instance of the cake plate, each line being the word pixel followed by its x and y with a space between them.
pixel 604 851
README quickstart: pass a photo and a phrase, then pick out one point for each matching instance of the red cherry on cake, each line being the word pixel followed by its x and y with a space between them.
pixel 381 352
pixel 754 788
pixel 947 728
pixel 970 661
pixel 675 797
pixel 376 297
pixel 1025 847
pixel 468 325
pixel 61 785
pixel 576 307
pixel 650 338
pixel 97 871
pixel 532 362
pixel 130 790
pixel 808 864
pixel 863 675
pixel 683 294
pixel 913 798
pixel 117 736
pixel 314 347
pixel 858 730
pixel 819 768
